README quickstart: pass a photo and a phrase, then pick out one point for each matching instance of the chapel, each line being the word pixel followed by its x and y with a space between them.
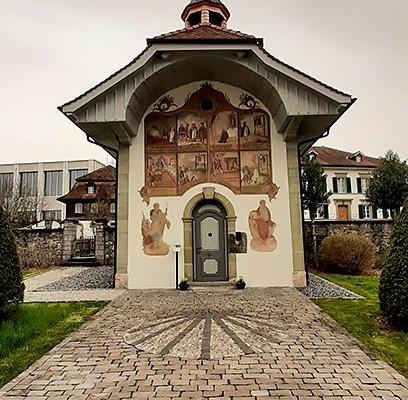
pixel 207 128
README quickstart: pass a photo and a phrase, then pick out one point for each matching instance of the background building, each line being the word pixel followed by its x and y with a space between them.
pixel 42 183
pixel 92 196
pixel 348 175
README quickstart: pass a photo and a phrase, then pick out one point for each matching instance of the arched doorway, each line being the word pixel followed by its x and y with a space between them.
pixel 210 254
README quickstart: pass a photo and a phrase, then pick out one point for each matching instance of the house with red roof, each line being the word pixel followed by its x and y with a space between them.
pixel 207 128
pixel 348 176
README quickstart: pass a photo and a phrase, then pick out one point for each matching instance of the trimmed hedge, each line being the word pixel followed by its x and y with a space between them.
pixel 346 253
pixel 393 293
pixel 11 285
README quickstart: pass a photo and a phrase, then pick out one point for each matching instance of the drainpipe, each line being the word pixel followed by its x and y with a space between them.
pixel 301 143
pixel 116 152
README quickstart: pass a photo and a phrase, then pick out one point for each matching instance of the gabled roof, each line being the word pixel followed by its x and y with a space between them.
pixel 105 174
pixel 104 180
pixel 205 33
pixel 328 157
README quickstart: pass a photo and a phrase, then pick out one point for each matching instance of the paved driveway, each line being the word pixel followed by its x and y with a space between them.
pixel 209 344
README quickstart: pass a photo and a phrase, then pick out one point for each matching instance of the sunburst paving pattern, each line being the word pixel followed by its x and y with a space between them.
pixel 206 335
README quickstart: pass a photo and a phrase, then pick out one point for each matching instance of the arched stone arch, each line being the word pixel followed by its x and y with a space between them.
pixel 208 193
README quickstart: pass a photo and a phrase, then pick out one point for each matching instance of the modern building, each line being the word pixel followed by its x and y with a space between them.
pixel 44 182
pixel 348 176
pixel 207 127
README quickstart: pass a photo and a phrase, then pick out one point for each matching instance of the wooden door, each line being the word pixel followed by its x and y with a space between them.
pixel 210 243
pixel 343 212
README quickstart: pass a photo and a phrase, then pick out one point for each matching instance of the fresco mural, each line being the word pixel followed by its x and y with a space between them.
pixel 255 172
pixel 191 132
pixel 262 229
pixel 207 140
pixel 225 168
pixel 192 169
pixel 153 232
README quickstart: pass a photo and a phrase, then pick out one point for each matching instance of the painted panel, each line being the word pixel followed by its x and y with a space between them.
pixel 207 140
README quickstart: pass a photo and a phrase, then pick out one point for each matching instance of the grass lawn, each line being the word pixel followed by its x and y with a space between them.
pixel 363 320
pixel 35 329
pixel 31 272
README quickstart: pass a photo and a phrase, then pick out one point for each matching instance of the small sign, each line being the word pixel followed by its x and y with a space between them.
pixel 176 248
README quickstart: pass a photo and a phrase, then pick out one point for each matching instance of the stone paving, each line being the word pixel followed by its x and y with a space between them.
pixel 213 344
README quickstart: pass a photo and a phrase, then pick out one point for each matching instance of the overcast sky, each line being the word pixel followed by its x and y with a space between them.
pixel 54 50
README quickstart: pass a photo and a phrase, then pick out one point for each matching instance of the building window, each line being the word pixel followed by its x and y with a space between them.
pixel 112 208
pixel 28 184
pixel 341 185
pixel 52 215
pixel 6 184
pixel 90 189
pixel 75 174
pixel 365 211
pixel 362 185
pixel 53 183
pixel 79 208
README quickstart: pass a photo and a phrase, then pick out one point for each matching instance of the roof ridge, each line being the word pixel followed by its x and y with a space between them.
pixel 201 25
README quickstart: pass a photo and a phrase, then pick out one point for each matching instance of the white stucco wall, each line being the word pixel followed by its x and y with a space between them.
pixel 259 269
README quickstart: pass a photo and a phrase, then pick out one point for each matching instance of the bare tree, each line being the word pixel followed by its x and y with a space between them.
pixel 20 208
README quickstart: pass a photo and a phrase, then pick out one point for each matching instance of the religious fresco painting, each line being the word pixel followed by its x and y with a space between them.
pixel 192 169
pixel 262 229
pixel 225 168
pixel 161 132
pixel 224 131
pixel 191 132
pixel 254 171
pixel 162 170
pixel 153 232
pixel 207 140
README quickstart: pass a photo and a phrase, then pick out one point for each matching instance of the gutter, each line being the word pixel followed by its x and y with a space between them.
pixel 111 150
pixel 300 155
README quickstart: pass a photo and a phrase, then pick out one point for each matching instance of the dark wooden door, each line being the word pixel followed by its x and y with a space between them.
pixel 210 243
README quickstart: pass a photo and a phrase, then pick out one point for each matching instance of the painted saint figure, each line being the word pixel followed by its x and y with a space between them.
pixel 262 228
pixel 246 131
pixel 153 231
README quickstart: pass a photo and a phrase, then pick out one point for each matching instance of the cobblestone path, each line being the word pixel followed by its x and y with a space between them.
pixel 215 344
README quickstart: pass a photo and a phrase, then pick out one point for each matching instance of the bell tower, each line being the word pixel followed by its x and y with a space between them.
pixel 205 12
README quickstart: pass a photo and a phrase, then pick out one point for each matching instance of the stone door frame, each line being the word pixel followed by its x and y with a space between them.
pixel 208 193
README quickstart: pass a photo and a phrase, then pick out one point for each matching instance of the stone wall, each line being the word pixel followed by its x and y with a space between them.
pixel 39 248
pixel 378 232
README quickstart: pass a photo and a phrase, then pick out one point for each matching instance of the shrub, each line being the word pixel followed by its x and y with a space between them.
pixel 11 285
pixel 347 253
pixel 393 291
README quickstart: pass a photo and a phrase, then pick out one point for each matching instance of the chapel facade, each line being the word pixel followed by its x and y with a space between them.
pixel 207 128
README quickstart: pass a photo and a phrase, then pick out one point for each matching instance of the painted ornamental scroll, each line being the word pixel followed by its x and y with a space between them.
pixel 207 140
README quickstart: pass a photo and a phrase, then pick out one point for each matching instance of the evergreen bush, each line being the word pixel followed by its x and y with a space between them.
pixel 11 285
pixel 393 292
pixel 347 253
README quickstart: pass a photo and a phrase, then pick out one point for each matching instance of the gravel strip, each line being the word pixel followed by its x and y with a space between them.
pixel 89 279
pixel 320 288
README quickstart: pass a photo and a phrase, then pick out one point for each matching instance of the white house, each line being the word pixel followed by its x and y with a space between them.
pixel 207 126
pixel 348 175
